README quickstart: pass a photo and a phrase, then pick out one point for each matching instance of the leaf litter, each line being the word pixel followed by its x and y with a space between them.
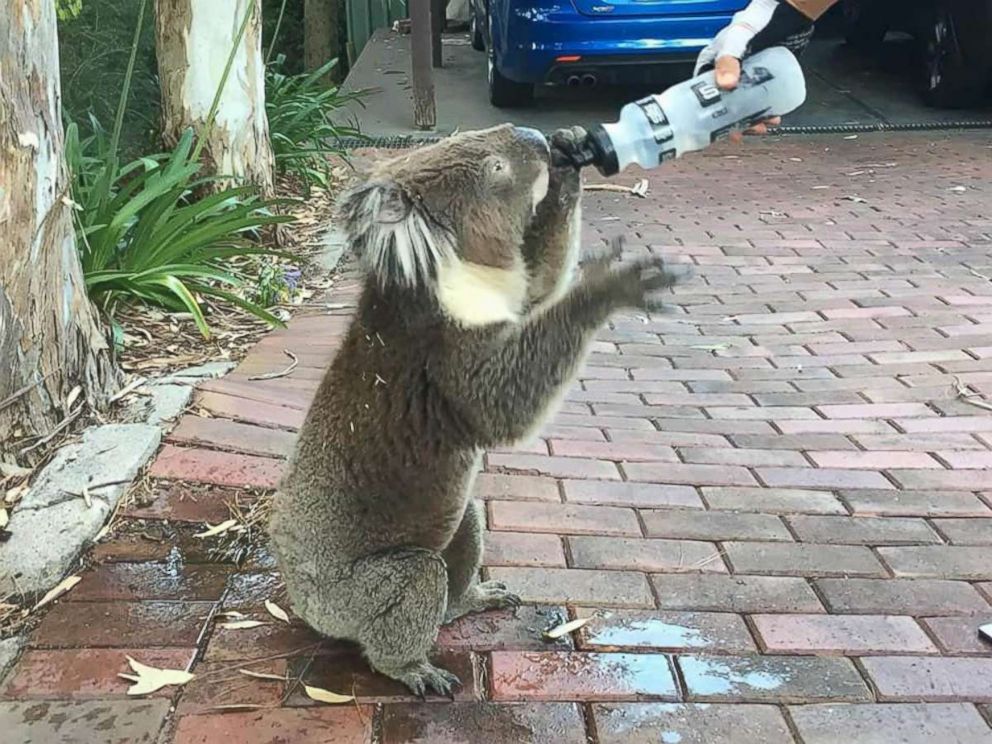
pixel 148 679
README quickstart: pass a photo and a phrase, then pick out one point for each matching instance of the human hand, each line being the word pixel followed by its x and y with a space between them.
pixel 762 24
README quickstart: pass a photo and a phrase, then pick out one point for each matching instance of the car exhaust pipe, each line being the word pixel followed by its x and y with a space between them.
pixel 573 81
pixel 589 80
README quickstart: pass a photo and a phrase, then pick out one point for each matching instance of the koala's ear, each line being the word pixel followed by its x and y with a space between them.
pixel 394 237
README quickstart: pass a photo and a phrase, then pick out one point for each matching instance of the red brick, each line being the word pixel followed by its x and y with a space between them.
pixel 220 684
pixel 845 635
pixel 780 679
pixel 631 494
pixel 249 588
pixel 836 426
pixel 501 630
pixel 104 721
pixel 946 424
pixel 516 487
pixel 669 438
pixel 966 531
pixel 797 442
pixel 964 480
pixel 917 442
pixel 522 549
pixel 121 624
pixel 900 596
pixel 693 475
pixel 558 467
pixel 133 581
pixel 866 312
pixel 221 468
pixel 915 503
pixel 873 460
pixel 530 676
pixel 910 357
pixel 251 411
pixel 745 457
pixel 261 391
pixel 876 410
pixel 230 435
pixel 345 724
pixel 576 587
pixel 580 433
pixel 713 525
pixel 924 679
pixel 182 501
pixel 495 723
pixel 789 559
pixel 862 530
pixel 650 723
pixel 601 422
pixel 959 635
pixel 633 451
pixel 525 516
pixel 966 460
pixel 532 447
pixel 621 630
pixel 639 554
pixel 264 641
pixel 773 500
pixel 949 723
pixel 823 478
pixel 721 593
pixel 939 561
pixel 82 674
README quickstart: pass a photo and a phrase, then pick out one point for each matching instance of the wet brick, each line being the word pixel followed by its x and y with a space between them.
pixel 651 723
pixel 531 676
pixel 494 723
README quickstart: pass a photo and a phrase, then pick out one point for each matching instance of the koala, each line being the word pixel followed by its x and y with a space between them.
pixel 468 331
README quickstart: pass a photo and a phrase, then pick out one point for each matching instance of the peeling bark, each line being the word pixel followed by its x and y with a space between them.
pixel 193 41
pixel 50 337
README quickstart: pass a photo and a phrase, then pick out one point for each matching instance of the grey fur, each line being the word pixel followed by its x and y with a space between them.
pixel 374 527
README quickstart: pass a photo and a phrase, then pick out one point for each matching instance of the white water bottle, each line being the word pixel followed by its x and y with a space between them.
pixel 694 114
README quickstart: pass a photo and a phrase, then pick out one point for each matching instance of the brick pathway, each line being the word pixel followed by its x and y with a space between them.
pixel 771 501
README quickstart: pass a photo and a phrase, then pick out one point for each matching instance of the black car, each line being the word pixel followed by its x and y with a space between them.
pixel 953 39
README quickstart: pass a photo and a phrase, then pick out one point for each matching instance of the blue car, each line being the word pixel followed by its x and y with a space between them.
pixel 584 42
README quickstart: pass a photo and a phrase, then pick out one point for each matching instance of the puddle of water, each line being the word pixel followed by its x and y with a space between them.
pixel 721 677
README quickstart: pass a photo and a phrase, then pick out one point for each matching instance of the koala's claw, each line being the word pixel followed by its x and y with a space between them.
pixel 426 678
pixel 493 595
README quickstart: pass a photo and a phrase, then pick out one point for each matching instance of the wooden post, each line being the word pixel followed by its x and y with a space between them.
pixel 438 22
pixel 424 105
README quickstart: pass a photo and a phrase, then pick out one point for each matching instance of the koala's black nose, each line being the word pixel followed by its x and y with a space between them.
pixel 533 137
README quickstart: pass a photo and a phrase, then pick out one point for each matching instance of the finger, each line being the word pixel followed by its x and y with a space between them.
pixel 758 129
pixel 736 137
pixel 728 72
pixel 774 121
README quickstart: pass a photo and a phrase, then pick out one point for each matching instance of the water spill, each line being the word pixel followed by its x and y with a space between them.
pixel 643 632
pixel 718 676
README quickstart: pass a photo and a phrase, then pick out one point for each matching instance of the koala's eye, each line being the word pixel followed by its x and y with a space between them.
pixel 497 167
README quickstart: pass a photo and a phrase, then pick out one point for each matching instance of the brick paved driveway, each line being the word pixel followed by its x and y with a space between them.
pixel 772 501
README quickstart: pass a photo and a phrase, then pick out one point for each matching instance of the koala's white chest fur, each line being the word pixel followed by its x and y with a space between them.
pixel 475 295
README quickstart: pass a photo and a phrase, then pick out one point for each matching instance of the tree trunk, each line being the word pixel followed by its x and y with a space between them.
pixel 194 39
pixel 50 337
pixel 321 39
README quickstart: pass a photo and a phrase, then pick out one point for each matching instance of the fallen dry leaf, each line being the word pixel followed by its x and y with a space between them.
pixel 72 397
pixel 65 585
pixel 149 679
pixel 87 498
pixel 9 470
pixel 4 518
pixel 241 624
pixel 276 611
pixel 565 628
pixel 326 696
pixel 219 529
pixel 231 613
pixel 262 675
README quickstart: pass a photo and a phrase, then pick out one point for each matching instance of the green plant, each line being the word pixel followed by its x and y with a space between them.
pixel 144 234
pixel 299 110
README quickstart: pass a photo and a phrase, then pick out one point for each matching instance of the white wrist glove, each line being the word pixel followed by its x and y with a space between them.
pixel 762 24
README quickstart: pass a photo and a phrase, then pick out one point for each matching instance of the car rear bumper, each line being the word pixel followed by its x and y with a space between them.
pixel 529 45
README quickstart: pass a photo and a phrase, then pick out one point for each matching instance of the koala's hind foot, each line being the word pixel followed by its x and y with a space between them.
pixel 486 595
pixel 401 596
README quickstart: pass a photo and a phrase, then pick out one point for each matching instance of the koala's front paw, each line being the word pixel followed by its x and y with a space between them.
pixel 635 285
pixel 425 678
pixel 570 148
pixel 598 267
